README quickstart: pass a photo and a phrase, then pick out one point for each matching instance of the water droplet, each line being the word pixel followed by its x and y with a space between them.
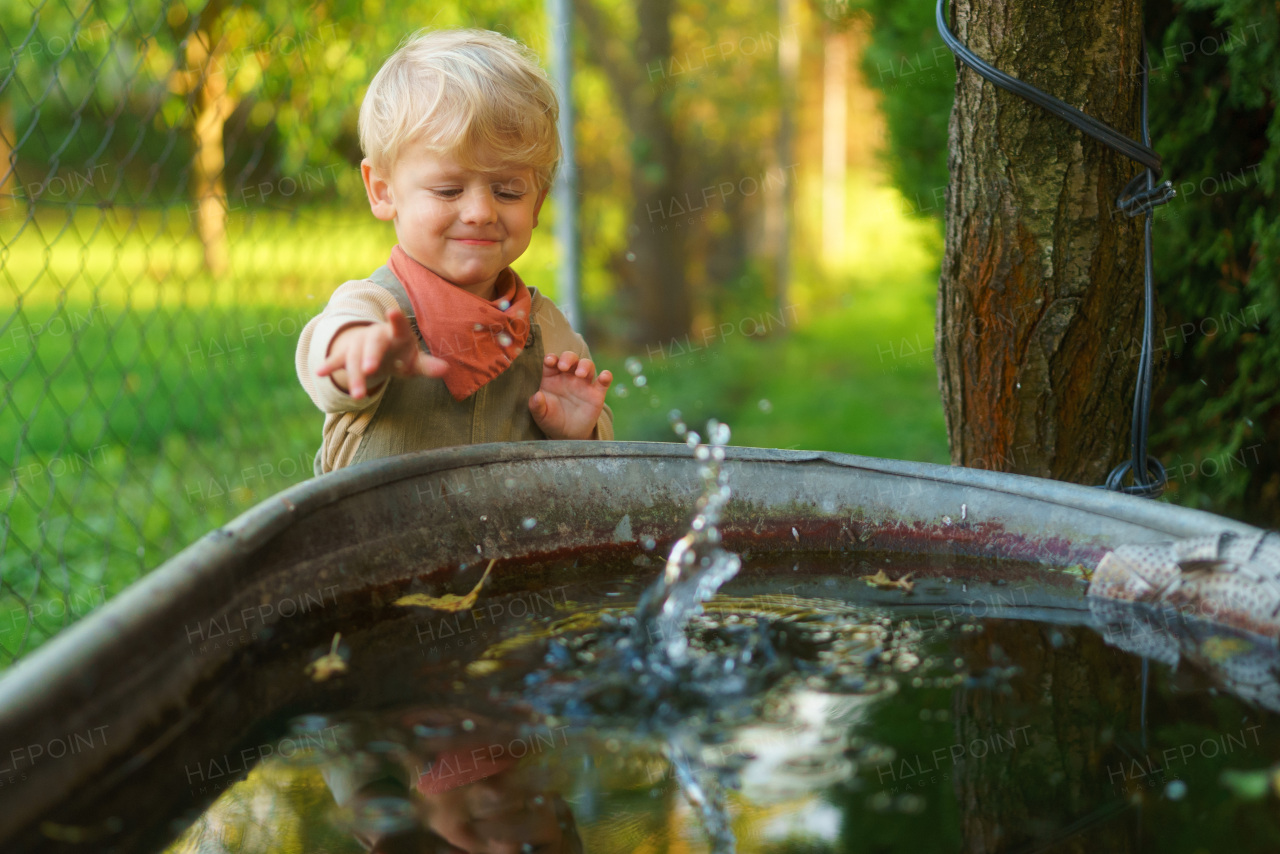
pixel 910 804
pixel 468 724
pixel 640 381
pixel 631 256
pixel 634 367
pixel 503 305
pixel 692 439
pixel 1176 790
pixel 504 339
pixel 509 483
pixel 649 543
pixel 478 326
pixel 765 405
pixel 620 391
pixel 529 522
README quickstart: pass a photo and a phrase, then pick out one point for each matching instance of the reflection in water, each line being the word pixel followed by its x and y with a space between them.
pixel 866 733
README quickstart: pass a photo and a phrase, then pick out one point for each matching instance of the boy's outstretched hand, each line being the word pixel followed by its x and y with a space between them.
pixel 365 355
pixel 568 403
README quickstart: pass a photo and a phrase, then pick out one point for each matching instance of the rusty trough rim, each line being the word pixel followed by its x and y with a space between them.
pixel 87 640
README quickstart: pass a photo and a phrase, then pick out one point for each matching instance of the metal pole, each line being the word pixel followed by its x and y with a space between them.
pixel 565 192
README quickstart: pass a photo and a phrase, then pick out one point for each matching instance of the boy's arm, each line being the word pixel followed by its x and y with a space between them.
pixel 354 303
pixel 558 336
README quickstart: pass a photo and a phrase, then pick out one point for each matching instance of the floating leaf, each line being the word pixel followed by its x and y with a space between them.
pixel 450 601
pixel 1218 649
pixel 884 582
pixel 329 664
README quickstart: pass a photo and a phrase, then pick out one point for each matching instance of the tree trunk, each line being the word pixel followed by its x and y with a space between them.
pixel 1040 296
pixel 835 140
pixel 655 276
pixel 214 105
pixel 780 207
pixel 8 162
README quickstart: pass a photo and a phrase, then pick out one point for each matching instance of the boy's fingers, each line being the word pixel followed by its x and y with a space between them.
pixel 538 403
pixel 399 324
pixel 567 360
pixel 375 347
pixel 331 364
pixel 431 366
pixel 606 377
pixel 355 376
pixel 586 370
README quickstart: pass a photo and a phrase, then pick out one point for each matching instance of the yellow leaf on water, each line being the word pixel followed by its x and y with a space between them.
pixel 1220 649
pixel 884 582
pixel 329 664
pixel 449 601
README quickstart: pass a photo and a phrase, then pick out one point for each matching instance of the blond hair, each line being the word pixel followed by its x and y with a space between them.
pixel 474 96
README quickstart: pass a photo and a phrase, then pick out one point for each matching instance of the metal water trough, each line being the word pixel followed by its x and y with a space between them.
pixel 195 667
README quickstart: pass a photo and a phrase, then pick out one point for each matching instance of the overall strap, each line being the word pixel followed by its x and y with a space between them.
pixel 385 279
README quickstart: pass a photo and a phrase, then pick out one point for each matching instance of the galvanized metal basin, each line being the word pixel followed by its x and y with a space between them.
pixel 204 657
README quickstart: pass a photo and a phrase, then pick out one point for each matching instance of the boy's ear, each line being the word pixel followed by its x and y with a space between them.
pixel 542 197
pixel 378 191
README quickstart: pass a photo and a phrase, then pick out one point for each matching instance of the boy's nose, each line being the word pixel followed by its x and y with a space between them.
pixel 479 208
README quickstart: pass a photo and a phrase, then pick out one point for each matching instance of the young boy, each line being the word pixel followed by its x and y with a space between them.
pixel 445 345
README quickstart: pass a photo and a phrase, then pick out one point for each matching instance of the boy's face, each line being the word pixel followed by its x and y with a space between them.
pixel 462 225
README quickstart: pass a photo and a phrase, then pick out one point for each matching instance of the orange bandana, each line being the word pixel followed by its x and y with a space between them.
pixel 477 337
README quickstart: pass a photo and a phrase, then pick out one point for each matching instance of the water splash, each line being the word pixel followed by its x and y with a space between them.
pixel 697 566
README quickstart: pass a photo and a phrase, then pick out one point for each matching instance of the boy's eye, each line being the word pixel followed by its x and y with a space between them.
pixel 448 193
pixel 510 195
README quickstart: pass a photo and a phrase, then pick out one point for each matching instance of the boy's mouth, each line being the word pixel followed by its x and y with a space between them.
pixel 473 241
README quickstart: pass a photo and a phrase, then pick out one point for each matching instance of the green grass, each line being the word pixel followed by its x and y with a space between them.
pixel 145 403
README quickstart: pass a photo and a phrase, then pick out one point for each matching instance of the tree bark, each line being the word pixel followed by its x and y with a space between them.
pixel 655 277
pixel 1039 302
pixel 835 140
pixel 206 55
pixel 8 162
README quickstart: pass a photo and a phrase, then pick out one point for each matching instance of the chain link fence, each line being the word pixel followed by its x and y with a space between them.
pixel 179 196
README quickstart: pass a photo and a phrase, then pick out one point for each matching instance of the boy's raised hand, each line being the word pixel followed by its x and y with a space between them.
pixel 568 403
pixel 367 354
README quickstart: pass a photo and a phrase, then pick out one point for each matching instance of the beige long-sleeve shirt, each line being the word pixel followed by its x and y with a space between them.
pixel 361 302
